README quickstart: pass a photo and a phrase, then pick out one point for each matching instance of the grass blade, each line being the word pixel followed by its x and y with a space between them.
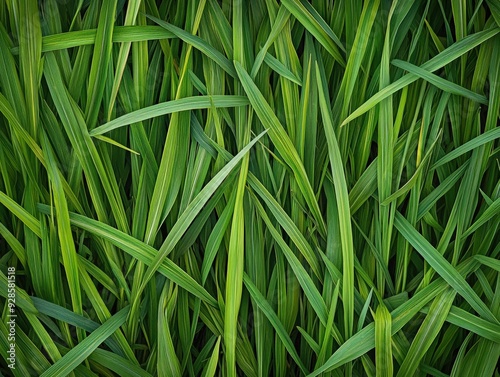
pixel 78 354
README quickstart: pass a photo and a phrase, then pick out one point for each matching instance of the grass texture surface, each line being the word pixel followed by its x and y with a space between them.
pixel 249 188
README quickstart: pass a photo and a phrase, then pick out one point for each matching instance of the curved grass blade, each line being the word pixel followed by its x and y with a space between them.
pixel 344 212
pixel 427 333
pixel 482 139
pixel 441 83
pixel 451 53
pixel 214 359
pixel 117 364
pixel 62 314
pixel 140 251
pixel 29 220
pixel 183 104
pixel 470 322
pixel 488 261
pixel 282 142
pixel 262 303
pixel 78 354
pixel 191 211
pixel 313 22
pixel 443 267
pixel 87 37
pixel 199 44
pixel 383 342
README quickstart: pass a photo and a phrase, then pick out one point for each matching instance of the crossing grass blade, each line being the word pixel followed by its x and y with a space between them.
pixel 287 224
pixel 279 68
pixel 21 213
pixel 275 322
pixel 451 53
pixel 200 44
pixel 444 85
pixel 305 281
pixel 193 209
pixel 428 331
pixel 78 354
pixel 141 251
pixel 279 23
pixel 490 213
pixel 281 141
pixel 476 325
pixel 211 367
pixel 73 319
pixel 365 339
pixel 317 27
pixel 68 250
pixel 443 267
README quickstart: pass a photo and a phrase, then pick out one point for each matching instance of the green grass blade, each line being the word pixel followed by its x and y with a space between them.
pixel 364 340
pixel 344 215
pixel 313 22
pixel 443 267
pixel 168 364
pixel 261 301
pixel 78 354
pixel 192 210
pixel 183 104
pixel 30 50
pixel 199 44
pixel 68 250
pixel 451 53
pixel 304 279
pixel 428 331
pixel 100 61
pixel 383 343
pixel 140 251
pixel 443 84
pixel 30 221
pixel 482 139
pixel 281 141
pixel 214 359
pixel 87 37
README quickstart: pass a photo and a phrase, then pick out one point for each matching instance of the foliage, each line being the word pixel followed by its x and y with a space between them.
pixel 253 188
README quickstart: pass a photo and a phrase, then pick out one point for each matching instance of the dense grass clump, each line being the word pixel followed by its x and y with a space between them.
pixel 250 188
